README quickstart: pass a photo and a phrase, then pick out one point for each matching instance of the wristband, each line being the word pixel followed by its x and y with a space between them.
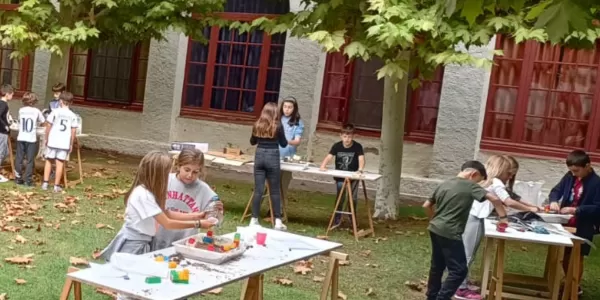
pixel 197 224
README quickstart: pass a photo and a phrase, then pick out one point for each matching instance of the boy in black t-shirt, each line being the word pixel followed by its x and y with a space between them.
pixel 349 156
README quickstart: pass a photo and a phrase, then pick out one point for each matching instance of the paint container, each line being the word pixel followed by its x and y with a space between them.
pixel 261 237
pixel 501 227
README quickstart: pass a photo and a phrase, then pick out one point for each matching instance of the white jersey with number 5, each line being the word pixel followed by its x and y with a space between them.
pixel 62 120
pixel 29 117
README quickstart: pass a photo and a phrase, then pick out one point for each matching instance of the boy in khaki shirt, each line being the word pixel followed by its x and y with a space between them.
pixel 448 210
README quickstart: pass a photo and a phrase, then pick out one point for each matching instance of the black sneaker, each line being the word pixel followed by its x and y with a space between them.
pixel 19 181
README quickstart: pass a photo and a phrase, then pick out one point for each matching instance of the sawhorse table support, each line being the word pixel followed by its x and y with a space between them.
pixel 347 186
pixel 71 285
pixel 266 194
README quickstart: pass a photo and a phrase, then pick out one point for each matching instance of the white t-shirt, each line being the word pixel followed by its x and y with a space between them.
pixel 29 117
pixel 62 120
pixel 483 209
pixel 141 210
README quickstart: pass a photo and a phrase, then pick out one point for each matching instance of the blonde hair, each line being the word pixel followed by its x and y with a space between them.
pixel 514 168
pixel 191 157
pixel 495 166
pixel 153 174
pixel 267 123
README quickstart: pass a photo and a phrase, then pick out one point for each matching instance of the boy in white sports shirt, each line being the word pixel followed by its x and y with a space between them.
pixel 60 134
pixel 29 117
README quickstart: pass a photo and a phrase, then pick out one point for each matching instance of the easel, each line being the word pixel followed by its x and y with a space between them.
pixel 347 186
pixel 65 181
pixel 253 286
pixel 266 194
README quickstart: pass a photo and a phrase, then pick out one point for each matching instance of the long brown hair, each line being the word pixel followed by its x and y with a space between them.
pixel 153 174
pixel 266 125
pixel 191 157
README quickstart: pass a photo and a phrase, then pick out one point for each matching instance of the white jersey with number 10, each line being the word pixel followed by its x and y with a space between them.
pixel 62 121
pixel 29 117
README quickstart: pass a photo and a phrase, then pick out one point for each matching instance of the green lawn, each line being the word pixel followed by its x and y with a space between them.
pixel 400 252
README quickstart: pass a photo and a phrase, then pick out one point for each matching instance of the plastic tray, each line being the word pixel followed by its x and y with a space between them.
pixel 212 257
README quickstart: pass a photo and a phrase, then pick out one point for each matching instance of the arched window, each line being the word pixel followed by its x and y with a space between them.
pixel 352 94
pixel 234 75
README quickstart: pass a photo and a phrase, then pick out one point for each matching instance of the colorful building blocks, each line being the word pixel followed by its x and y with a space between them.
pixel 181 276
pixel 159 258
pixel 172 265
pixel 153 280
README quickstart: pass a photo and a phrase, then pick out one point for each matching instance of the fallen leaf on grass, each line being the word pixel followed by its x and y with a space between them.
pixel 303 267
pixel 100 226
pixel 377 240
pixel 413 286
pixel 38 219
pixel 3 296
pixel 38 242
pixel 112 162
pixel 63 219
pixel 365 253
pixel 523 248
pixel 20 239
pixel 106 292
pixel 216 291
pixel 344 262
pixel 372 265
pixel 369 292
pixel 49 224
pixel 57 226
pixel 20 281
pixel 76 261
pixel 419 218
pixel 75 222
pixel 11 228
pixel 323 237
pixel 283 281
pixel 96 253
pixel 20 260
pixel 318 279
pixel 342 296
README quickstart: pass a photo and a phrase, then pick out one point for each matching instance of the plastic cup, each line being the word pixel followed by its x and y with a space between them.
pixel 261 237
pixel 501 227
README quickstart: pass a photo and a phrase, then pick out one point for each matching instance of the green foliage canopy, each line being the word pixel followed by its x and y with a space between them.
pixel 50 25
pixel 435 32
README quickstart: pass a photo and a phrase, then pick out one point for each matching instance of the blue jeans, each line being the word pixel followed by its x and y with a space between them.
pixel 354 186
pixel 446 254
pixel 267 166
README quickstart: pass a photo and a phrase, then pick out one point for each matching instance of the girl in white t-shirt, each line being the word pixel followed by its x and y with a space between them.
pixel 187 193
pixel 145 206
pixel 499 169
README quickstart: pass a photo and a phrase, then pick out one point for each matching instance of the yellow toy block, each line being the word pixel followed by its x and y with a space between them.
pixel 159 258
pixel 172 265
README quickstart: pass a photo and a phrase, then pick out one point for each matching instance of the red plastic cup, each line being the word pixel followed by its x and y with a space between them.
pixel 501 227
pixel 261 237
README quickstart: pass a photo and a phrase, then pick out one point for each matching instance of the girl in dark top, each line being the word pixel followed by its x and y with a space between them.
pixel 268 135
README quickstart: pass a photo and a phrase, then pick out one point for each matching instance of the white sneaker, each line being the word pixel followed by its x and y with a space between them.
pixel 57 189
pixel 45 186
pixel 279 225
pixel 3 179
pixel 254 222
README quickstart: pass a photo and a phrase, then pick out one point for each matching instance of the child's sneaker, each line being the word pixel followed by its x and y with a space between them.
pixel 254 222
pixel 466 294
pixel 57 189
pixel 45 186
pixel 279 225
pixel 3 179
pixel 19 181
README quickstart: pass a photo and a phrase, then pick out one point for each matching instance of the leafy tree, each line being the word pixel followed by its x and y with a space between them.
pixel 58 25
pixel 422 34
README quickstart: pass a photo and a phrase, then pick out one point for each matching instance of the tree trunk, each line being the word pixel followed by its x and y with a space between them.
pixel 58 70
pixel 390 158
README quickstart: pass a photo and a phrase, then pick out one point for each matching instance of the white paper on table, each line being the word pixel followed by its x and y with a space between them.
pixel 138 264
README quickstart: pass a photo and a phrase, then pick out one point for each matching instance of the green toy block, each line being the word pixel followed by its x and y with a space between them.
pixel 176 278
pixel 153 280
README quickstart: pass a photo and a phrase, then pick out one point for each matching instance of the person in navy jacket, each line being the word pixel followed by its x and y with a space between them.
pixel 579 195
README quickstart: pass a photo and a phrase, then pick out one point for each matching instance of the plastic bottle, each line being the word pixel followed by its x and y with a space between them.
pixel 213 211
